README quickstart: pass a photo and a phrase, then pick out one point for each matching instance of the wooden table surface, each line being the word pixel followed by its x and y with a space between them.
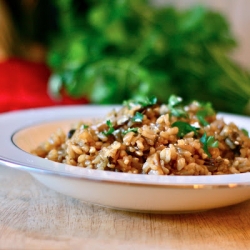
pixel 35 217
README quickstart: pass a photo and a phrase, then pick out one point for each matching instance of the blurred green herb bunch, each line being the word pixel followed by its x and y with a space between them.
pixel 115 50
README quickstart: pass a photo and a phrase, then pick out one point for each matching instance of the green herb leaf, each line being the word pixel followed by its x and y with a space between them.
pixel 206 110
pixel 174 101
pixel 153 100
pixel 135 130
pixel 138 117
pixel 175 108
pixel 208 141
pixel 110 130
pixel 84 126
pixel 117 50
pixel 184 128
pixel 245 132
pixel 127 103
pixel 148 101
pixel 178 112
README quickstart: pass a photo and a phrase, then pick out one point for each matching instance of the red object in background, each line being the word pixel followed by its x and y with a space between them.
pixel 23 85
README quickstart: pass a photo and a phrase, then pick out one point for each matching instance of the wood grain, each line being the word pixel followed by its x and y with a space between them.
pixel 35 217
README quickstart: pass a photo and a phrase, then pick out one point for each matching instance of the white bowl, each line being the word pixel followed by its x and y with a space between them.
pixel 22 131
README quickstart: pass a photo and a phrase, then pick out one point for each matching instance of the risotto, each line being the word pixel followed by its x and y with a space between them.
pixel 147 137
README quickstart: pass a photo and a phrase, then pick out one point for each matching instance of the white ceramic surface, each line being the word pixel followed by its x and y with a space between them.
pixel 21 131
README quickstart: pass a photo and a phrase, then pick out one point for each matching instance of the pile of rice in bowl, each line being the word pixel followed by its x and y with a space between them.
pixel 151 138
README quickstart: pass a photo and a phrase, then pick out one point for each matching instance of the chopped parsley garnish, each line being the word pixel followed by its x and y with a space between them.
pixel 128 103
pixel 84 126
pixel 174 100
pixel 110 130
pixel 135 130
pixel 208 141
pixel 138 117
pixel 184 128
pixel 178 112
pixel 245 132
pixel 143 103
pixel 205 110
pixel 148 101
pixel 175 108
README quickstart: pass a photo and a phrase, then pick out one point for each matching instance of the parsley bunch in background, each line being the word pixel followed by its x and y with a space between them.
pixel 115 50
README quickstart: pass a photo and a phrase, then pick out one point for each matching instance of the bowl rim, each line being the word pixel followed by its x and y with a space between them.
pixel 12 156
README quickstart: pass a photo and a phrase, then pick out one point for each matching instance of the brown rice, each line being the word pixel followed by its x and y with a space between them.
pixel 143 139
